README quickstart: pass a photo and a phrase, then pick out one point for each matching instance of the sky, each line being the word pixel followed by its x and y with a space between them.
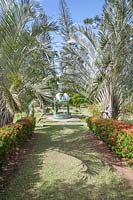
pixel 79 10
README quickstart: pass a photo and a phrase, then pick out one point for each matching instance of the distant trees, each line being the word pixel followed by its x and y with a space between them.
pixel 77 100
pixel 88 21
pixel 95 22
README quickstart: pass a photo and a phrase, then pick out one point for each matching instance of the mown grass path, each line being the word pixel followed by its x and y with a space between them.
pixel 64 166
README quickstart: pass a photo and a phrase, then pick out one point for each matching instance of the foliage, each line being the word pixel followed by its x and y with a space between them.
pixel 94 22
pixel 94 110
pixel 77 100
pixel 117 134
pixel 99 66
pixel 65 20
pixel 26 54
pixel 88 21
pixel 13 135
pixel 127 107
pixel 77 61
pixel 114 56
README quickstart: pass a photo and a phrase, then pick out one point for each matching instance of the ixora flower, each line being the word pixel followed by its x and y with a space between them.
pixel 124 130
pixel 17 126
pixel 10 138
pixel 117 134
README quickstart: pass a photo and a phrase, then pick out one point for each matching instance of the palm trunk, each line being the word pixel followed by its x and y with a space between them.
pixel 6 115
pixel 112 107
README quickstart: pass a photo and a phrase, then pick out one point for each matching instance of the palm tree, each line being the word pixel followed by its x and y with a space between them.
pixel 26 54
pixel 109 69
pixel 114 55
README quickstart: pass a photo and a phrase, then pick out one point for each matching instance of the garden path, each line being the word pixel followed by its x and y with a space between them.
pixel 63 165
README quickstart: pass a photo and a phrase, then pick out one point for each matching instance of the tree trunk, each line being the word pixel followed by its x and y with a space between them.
pixel 112 106
pixel 6 114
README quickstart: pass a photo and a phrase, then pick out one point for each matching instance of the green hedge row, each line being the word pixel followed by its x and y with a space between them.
pixel 117 134
pixel 14 135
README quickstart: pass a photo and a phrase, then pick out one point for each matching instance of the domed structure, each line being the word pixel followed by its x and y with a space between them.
pixel 62 97
pixel 61 102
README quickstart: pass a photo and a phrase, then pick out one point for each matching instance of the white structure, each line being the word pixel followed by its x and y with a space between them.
pixel 62 97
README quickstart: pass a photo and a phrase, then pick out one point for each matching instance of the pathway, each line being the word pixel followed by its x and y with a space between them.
pixel 64 166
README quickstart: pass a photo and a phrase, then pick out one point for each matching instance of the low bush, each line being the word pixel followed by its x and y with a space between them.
pixel 117 134
pixel 14 135
pixel 94 110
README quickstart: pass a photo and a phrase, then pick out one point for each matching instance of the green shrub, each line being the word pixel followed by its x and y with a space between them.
pixel 94 110
pixel 13 135
pixel 117 134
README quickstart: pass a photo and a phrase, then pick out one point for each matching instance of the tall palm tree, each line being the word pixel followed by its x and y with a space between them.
pixel 114 55
pixel 25 50
pixel 110 57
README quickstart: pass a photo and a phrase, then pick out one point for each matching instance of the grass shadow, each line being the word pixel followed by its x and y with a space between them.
pixel 81 191
pixel 39 179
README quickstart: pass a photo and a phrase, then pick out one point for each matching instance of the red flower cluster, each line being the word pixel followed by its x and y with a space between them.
pixel 114 124
pixel 14 134
pixel 117 134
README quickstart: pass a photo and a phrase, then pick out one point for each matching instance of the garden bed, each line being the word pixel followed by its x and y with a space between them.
pixel 117 134
pixel 14 135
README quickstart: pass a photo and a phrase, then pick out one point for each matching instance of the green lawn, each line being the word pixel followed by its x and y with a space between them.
pixel 63 166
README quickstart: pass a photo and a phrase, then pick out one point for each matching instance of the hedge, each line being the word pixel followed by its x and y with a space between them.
pixel 14 135
pixel 117 134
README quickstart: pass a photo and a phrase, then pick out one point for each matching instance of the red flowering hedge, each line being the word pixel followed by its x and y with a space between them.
pixel 117 134
pixel 13 135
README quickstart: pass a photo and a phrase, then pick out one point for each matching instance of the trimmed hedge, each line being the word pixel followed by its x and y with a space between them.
pixel 117 134
pixel 14 135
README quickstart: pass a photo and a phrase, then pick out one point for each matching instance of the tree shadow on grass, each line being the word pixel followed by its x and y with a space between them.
pixel 31 183
pixel 74 144
pixel 60 190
